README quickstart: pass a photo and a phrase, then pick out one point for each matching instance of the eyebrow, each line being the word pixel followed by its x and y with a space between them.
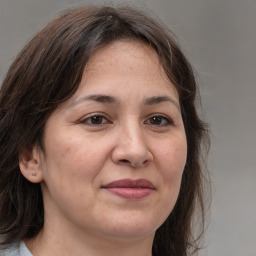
pixel 107 99
pixel 101 98
pixel 159 99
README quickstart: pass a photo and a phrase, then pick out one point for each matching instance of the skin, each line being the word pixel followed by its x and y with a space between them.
pixel 92 141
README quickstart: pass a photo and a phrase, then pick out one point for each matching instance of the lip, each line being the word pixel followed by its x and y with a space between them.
pixel 130 189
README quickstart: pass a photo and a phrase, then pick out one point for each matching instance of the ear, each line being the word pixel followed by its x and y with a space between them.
pixel 29 162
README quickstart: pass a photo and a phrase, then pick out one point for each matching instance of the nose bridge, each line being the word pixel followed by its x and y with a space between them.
pixel 132 135
pixel 131 147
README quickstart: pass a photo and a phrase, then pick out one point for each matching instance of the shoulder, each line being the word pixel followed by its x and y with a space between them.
pixel 16 249
pixel 11 250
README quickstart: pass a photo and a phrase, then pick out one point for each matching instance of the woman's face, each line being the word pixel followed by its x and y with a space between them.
pixel 115 151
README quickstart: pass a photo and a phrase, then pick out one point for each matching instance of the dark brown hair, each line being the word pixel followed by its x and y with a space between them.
pixel 47 72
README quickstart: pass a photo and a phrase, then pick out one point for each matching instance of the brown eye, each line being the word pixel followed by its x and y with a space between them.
pixel 95 120
pixel 156 120
pixel 159 120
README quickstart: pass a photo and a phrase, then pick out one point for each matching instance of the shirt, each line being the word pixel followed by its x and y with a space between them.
pixel 17 249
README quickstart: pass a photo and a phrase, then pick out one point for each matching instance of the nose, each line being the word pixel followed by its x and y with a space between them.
pixel 131 148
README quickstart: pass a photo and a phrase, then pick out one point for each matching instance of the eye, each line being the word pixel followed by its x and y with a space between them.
pixel 159 120
pixel 95 119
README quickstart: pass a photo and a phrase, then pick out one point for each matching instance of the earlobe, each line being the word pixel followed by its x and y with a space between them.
pixel 29 163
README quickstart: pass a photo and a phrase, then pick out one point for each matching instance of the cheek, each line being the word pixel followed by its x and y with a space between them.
pixel 74 165
pixel 172 159
pixel 174 154
pixel 75 155
pixel 70 169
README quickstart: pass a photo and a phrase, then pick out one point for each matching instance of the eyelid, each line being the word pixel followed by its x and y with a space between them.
pixel 84 119
pixel 163 116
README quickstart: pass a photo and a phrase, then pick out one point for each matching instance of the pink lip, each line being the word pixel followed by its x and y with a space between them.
pixel 130 189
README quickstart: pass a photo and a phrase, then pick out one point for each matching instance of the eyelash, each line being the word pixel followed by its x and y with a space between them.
pixel 160 118
pixel 88 120
pixel 99 117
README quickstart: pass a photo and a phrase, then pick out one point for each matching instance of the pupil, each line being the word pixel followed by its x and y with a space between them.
pixel 156 120
pixel 96 119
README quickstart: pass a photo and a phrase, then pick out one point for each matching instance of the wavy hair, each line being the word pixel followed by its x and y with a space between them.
pixel 47 72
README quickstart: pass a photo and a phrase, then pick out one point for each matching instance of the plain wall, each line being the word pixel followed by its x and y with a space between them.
pixel 219 38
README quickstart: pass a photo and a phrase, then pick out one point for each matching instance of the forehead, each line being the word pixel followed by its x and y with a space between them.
pixel 124 59
pixel 128 49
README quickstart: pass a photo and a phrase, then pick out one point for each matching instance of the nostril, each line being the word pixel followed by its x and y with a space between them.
pixel 124 161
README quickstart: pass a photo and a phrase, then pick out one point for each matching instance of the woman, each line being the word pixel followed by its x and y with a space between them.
pixel 100 140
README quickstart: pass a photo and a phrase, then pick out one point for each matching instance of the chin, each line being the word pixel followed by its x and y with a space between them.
pixel 133 227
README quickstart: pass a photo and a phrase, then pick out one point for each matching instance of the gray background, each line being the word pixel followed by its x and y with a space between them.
pixel 219 38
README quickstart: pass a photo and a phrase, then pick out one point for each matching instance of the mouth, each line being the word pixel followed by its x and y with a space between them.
pixel 130 189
